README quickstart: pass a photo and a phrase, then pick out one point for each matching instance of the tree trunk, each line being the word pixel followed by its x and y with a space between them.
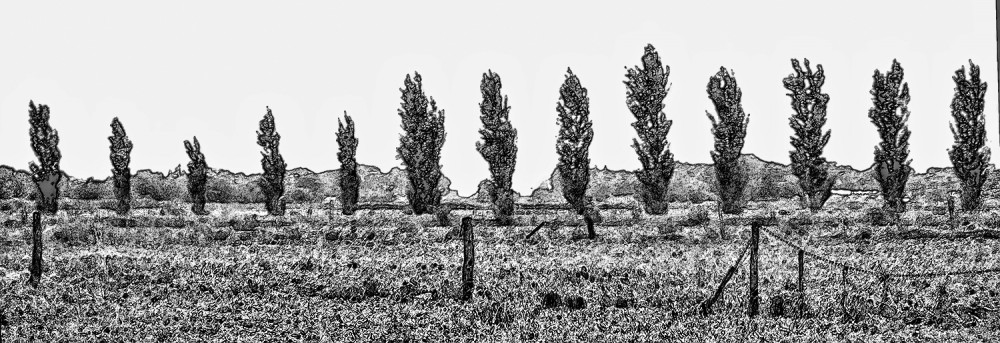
pixel 276 206
pixel 35 271
pixel 468 258
pixel 754 296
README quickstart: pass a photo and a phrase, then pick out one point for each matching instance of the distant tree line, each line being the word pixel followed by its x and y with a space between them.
pixel 646 88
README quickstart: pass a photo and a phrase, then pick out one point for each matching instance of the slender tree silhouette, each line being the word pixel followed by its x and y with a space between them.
pixel 969 155
pixel 272 182
pixel 121 149
pixel 46 174
pixel 573 143
pixel 349 179
pixel 646 88
pixel 498 145
pixel 890 96
pixel 809 139
pixel 420 145
pixel 197 177
pixel 730 129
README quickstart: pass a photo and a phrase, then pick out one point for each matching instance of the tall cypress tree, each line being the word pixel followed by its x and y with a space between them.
pixel 730 130
pixel 46 174
pixel 890 96
pixel 498 145
pixel 197 177
pixel 969 155
pixel 809 139
pixel 121 149
pixel 646 88
pixel 349 179
pixel 420 145
pixel 272 182
pixel 573 143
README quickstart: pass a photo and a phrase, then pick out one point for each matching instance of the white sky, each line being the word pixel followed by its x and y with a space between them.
pixel 175 69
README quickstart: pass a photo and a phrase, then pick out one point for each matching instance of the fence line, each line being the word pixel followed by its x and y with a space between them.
pixel 879 273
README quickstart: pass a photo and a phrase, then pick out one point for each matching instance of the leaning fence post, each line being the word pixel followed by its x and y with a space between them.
pixel 36 249
pixel 802 287
pixel 468 258
pixel 706 307
pixel 754 295
pixel 535 230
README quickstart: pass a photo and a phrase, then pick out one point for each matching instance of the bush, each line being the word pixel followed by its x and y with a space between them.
pixel 646 89
pixel 152 185
pixel 272 182
pixel 808 163
pixel 219 190
pixel 420 145
pixel 697 215
pixel 551 300
pixel 197 177
pixel 46 174
pixel 499 144
pixel 729 130
pixel 575 302
pixel 969 155
pixel 89 189
pixel 74 235
pixel 121 148
pixel 10 188
pixel 573 143
pixel 349 179
pixel 892 166
pixel 881 217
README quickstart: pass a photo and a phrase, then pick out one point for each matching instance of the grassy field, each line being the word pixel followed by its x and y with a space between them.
pixel 386 277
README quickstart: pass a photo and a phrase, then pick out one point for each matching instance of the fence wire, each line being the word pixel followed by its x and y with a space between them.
pixel 880 272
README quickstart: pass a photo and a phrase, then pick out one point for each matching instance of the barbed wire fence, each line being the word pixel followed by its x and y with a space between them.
pixel 882 274
pixel 874 272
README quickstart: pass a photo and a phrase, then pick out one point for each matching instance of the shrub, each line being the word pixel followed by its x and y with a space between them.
pixel 697 215
pixel 808 163
pixel 121 148
pixel 729 130
pixel 349 179
pixel 10 188
pixel 892 166
pixel 46 174
pixel 154 186
pixel 969 155
pixel 420 145
pixel 197 177
pixel 573 143
pixel 499 144
pixel 646 88
pixel 218 190
pixel 89 189
pixel 551 300
pixel 272 182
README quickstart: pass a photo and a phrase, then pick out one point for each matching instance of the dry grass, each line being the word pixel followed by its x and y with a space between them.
pixel 398 281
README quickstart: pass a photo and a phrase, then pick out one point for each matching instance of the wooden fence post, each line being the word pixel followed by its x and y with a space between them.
pixel 36 250
pixel 802 287
pixel 468 259
pixel 754 296
pixel 591 234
